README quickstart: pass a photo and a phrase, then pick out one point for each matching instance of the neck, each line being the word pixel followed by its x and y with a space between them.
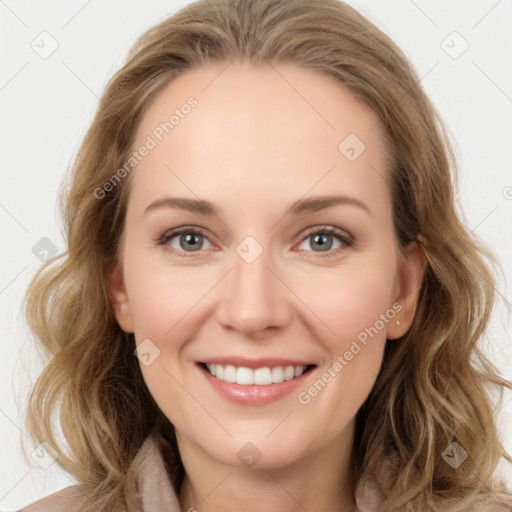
pixel 318 481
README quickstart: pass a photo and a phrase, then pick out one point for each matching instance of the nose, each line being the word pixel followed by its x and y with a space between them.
pixel 255 299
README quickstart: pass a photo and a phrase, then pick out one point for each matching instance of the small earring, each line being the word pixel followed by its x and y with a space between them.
pixel 398 323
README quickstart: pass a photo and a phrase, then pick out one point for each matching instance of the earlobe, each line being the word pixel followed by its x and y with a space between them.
pixel 410 280
pixel 119 300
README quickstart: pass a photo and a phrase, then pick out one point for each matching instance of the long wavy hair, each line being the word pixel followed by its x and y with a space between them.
pixel 434 387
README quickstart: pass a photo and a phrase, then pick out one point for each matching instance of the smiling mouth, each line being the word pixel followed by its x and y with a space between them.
pixel 264 376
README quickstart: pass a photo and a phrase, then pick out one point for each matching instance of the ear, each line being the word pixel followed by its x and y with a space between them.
pixel 119 300
pixel 407 289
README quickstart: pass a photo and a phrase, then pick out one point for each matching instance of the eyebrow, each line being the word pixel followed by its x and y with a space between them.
pixel 300 207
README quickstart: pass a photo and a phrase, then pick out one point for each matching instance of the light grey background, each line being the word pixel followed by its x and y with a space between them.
pixel 47 104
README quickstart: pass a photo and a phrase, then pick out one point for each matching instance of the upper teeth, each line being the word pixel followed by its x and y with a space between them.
pixel 260 376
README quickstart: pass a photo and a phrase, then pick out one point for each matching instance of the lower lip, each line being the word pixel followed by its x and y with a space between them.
pixel 252 394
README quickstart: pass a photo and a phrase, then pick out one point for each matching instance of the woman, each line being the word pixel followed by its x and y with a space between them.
pixel 262 213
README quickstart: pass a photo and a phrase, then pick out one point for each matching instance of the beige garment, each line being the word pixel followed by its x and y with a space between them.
pixel 152 491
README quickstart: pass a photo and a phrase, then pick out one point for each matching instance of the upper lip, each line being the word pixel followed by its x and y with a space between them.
pixel 255 363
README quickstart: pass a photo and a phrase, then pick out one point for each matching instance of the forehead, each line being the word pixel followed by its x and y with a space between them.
pixel 255 130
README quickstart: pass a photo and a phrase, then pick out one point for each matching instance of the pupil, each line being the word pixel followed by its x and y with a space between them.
pixel 321 242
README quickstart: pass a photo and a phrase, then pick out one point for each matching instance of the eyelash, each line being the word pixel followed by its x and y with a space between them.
pixel 346 239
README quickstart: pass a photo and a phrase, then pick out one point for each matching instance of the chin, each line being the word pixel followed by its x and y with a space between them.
pixel 258 452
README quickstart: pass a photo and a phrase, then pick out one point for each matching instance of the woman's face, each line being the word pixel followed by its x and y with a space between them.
pixel 285 257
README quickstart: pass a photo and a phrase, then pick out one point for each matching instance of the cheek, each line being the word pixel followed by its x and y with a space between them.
pixel 344 302
pixel 348 304
pixel 165 302
pixel 352 310
pixel 161 296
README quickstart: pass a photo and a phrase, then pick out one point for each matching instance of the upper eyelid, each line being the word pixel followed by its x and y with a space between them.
pixel 332 230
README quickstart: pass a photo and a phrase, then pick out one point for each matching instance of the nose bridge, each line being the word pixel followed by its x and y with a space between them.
pixel 255 299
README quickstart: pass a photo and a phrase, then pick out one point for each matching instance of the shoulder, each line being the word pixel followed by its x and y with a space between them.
pixel 66 500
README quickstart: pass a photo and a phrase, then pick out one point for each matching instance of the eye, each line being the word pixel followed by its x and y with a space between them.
pixel 327 239
pixel 184 240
